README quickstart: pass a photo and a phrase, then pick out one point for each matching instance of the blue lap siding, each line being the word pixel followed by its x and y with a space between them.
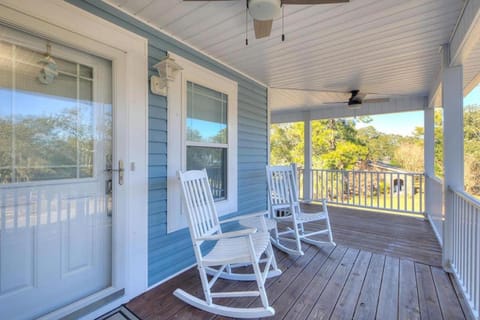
pixel 170 253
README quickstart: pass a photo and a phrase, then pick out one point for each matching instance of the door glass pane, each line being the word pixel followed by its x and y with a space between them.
pixel 85 129
pixel 215 161
pixel 6 76
pixel 206 114
pixel 46 123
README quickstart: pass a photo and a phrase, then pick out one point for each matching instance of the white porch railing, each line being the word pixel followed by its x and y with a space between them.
pixel 466 246
pixel 391 191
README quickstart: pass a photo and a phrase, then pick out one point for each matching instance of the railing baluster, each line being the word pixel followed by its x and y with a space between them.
pixel 365 182
pixel 477 263
pixel 405 192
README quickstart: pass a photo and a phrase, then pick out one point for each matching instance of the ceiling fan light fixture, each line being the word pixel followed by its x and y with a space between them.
pixel 264 9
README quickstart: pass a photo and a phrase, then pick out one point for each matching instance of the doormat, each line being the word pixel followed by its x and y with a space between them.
pixel 120 313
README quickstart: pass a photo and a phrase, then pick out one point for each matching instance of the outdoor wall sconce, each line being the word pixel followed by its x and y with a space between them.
pixel 167 70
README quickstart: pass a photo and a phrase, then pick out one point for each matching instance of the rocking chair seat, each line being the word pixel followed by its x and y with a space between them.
pixel 235 250
pixel 309 217
pixel 255 222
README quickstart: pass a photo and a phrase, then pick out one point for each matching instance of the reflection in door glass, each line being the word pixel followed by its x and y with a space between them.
pixel 47 117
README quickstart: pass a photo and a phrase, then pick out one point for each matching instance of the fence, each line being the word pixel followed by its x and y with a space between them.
pixel 392 191
pixel 466 246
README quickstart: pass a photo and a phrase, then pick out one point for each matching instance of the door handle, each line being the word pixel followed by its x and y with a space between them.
pixel 120 170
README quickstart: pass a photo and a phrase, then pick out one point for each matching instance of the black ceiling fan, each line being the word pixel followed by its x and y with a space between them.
pixel 357 98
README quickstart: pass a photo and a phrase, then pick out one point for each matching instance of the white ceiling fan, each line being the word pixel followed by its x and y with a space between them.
pixel 264 11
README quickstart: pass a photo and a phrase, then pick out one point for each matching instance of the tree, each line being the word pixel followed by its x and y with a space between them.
pixel 438 143
pixel 381 146
pixel 410 156
pixel 287 143
pixel 331 139
pixel 471 120
pixel 345 156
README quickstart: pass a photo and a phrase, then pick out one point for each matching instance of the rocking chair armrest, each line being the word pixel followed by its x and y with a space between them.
pixel 231 234
pixel 245 216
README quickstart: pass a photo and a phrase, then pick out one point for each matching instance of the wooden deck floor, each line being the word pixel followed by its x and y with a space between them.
pixel 359 279
pixel 395 235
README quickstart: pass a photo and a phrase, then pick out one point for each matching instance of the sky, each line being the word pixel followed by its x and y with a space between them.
pixel 404 123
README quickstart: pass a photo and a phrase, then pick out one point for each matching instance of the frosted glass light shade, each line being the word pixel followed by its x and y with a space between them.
pixel 264 9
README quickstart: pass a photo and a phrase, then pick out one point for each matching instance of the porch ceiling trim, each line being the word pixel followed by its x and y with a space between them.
pixel 401 104
pixel 466 34
pixel 463 40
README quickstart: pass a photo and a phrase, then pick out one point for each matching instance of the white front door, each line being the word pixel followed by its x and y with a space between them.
pixel 55 186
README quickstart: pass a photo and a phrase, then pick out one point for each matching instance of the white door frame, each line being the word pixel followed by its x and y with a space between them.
pixel 68 25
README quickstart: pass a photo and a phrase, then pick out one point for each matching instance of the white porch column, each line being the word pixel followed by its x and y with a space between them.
pixel 429 156
pixel 307 160
pixel 452 101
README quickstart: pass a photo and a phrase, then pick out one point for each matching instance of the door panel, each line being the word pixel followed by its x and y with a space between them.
pixel 55 205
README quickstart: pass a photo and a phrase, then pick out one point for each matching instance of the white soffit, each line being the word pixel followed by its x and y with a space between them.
pixel 388 47
pixel 471 71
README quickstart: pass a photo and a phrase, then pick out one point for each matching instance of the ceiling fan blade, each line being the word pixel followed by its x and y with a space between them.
pixel 262 28
pixel 313 1
pixel 378 100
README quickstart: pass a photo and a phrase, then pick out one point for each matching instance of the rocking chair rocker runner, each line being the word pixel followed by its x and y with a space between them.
pixel 285 206
pixel 232 249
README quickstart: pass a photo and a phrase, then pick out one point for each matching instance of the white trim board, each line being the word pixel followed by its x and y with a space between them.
pixel 58 21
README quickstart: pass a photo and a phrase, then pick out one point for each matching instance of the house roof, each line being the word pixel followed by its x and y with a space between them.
pixel 389 47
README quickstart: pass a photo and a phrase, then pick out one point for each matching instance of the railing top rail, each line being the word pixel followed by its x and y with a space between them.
pixel 434 178
pixel 466 196
pixel 366 171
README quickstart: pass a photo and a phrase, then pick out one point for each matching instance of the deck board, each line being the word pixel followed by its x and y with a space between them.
pixel 347 302
pixel 367 303
pixel 429 304
pixel 408 307
pixel 304 304
pixel 388 299
pixel 382 267
pixel 324 306
pixel 450 306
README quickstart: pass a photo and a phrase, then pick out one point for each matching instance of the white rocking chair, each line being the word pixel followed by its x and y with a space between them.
pixel 231 249
pixel 285 207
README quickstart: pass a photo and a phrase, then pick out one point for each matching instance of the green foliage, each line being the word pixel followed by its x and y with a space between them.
pixel 337 144
pixel 438 143
pixel 287 143
pixel 471 120
pixel 380 146
pixel 345 156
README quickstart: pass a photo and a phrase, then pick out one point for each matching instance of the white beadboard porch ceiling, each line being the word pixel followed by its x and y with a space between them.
pixel 387 47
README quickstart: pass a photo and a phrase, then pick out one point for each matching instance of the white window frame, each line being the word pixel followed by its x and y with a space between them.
pixel 177 137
